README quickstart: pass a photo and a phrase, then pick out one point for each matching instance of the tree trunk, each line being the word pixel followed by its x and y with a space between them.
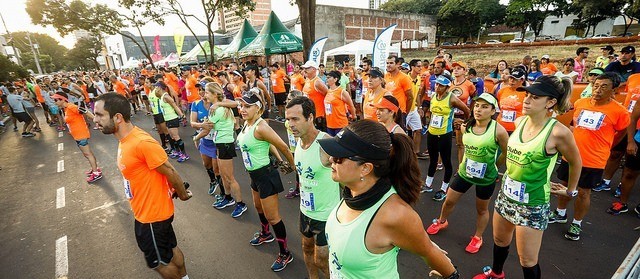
pixel 307 11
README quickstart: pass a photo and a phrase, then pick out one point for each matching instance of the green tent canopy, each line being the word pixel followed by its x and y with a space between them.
pixel 196 54
pixel 274 38
pixel 245 35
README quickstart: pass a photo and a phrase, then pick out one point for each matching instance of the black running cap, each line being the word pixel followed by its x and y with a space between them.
pixel 541 89
pixel 347 144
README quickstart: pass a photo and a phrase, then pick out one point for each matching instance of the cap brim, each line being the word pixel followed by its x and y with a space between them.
pixel 534 90
pixel 334 149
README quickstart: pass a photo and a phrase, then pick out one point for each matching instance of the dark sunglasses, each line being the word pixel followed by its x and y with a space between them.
pixel 55 100
pixel 352 158
pixel 593 75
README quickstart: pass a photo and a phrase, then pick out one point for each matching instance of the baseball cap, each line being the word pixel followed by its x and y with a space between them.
pixel 628 49
pixel 347 144
pixel 539 88
pixel 489 98
pixel 236 73
pixel 442 80
pixel 518 73
pixel 597 71
pixel 546 56
pixel 607 47
pixel 250 67
pixel 459 64
pixel 375 73
pixel 384 103
pixel 309 64
pixel 405 66
pixel 251 97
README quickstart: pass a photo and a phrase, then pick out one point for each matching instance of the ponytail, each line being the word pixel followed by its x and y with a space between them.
pixel 404 170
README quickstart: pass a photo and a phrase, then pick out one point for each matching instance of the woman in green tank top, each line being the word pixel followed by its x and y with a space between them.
pixel 482 137
pixel 255 140
pixel 172 114
pixel 522 205
pixel 375 220
pixel 158 119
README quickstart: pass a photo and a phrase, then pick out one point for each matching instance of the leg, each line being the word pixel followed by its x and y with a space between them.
pixel 629 178
pixel 528 243
pixel 322 259
pixel 502 237
pixel 445 155
pixel 86 151
pixel 482 208
pixel 583 202
pixel 459 145
pixel 308 251
pixel 417 139
pixel 612 164
pixel 449 204
pixel 176 268
pixel 229 181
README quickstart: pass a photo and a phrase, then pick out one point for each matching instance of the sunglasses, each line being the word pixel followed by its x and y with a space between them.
pixel 352 158
pixel 593 75
pixel 57 100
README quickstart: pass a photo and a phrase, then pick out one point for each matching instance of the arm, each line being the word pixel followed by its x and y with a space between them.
pixel 174 179
pixel 632 147
pixel 321 87
pixel 265 94
pixel 566 145
pixel 455 102
pixel 410 99
pixel 266 133
pixel 173 104
pixel 502 137
pixel 347 99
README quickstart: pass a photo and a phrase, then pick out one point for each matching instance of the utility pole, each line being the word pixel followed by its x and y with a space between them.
pixel 15 53
pixel 35 55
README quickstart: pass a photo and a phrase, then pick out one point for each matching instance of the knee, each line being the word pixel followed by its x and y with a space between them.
pixel 322 261
pixel 584 193
pixel 308 248
pixel 482 211
pixel 501 241
pixel 528 260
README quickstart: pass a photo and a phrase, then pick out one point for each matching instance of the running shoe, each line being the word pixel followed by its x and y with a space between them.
pixel 37 130
pixel 218 198
pixel 439 196
pixel 602 186
pixel 293 192
pixel 618 191
pixel 474 245
pixel 282 261
pixel 90 171
pixel 224 203
pixel 183 157
pixel 436 226
pixel 439 167
pixel 426 189
pixel 94 176
pixel 617 208
pixel 237 212
pixel 487 273
pixel 213 186
pixel 15 128
pixel 174 154
pixel 422 155
pixel 28 135
pixel 259 238
pixel 573 233
pixel 95 127
pixel 554 217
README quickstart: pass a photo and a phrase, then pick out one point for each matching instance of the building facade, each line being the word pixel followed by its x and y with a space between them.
pixel 228 21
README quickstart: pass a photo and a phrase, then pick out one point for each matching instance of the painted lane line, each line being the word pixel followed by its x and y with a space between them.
pixel 60 199
pixel 61 166
pixel 60 146
pixel 62 258
pixel 60 134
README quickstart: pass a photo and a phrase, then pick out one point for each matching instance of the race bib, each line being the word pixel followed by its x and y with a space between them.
pixel 590 120
pixel 358 96
pixel 246 159
pixel 508 116
pixel 631 106
pixel 515 190
pixel 307 201
pixel 127 189
pixel 273 82
pixel 327 108
pixel 436 121
pixel 475 169
pixel 292 140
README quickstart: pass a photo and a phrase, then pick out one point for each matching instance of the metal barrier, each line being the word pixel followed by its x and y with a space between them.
pixel 630 267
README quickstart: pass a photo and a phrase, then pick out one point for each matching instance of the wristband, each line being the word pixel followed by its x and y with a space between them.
pixel 454 275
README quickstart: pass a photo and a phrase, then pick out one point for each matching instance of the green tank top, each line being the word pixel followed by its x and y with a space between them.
pixel 223 122
pixel 167 110
pixel 479 161
pixel 319 194
pixel 441 115
pixel 529 167
pixel 348 255
pixel 255 153
pixel 153 101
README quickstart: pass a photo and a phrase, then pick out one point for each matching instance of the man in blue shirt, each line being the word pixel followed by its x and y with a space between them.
pixel 625 66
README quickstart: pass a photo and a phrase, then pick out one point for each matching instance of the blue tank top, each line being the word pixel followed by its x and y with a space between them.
pixel 198 107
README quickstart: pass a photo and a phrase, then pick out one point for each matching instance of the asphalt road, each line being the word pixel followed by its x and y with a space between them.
pixel 95 225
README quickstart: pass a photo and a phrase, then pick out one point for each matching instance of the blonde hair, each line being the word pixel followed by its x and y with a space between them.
pixel 217 91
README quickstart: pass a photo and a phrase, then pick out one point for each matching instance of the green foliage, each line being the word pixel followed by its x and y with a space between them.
pixel 48 47
pixel 84 54
pixel 464 18
pixel 11 71
pixel 427 7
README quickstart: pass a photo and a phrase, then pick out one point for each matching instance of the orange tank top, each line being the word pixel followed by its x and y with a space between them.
pixel 368 109
pixel 309 89
pixel 335 109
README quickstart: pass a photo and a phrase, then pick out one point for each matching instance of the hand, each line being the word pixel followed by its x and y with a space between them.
pixel 285 167
pixel 558 189
pixel 188 196
pixel 463 126
pixel 457 122
pixel 632 147
pixel 207 125
pixel 421 112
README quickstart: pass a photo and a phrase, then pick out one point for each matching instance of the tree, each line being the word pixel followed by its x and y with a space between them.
pixel 209 8
pixel 630 12
pixel 592 12
pixel 78 15
pixel 11 71
pixel 464 18
pixel 425 7
pixel 531 13
pixel 84 53
pixel 307 10
pixel 47 47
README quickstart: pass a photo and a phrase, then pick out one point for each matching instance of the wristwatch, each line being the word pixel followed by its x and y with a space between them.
pixel 572 193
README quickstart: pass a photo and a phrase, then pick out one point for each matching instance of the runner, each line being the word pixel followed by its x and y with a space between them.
pixel 255 141
pixel 494 76
pixel 297 78
pixel 482 138
pixel 374 220
pixel 158 118
pixel 534 71
pixel 511 100
pixel 74 117
pixel 278 79
pixel 319 194
pixel 198 119
pixel 599 123
pixel 19 112
pixel 547 67
pixel 388 114
pixel 522 204
pixel 150 181
pixel 603 60
pixel 316 90
pixel 172 115
pixel 338 106
pixel 626 65
pixel 374 93
pixel 221 122
pixel 587 92
pixel 251 72
pixel 414 122
pixel 293 142
pixel 440 133
pixel 464 89
pixel 399 84
pixel 580 62
pixel 568 70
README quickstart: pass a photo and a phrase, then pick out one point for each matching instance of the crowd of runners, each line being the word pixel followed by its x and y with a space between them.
pixel 354 137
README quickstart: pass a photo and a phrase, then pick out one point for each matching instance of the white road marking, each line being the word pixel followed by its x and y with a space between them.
pixel 104 206
pixel 60 199
pixel 62 258
pixel 61 166
pixel 60 134
pixel 60 146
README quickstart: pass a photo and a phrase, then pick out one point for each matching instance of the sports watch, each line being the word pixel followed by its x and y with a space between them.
pixel 572 193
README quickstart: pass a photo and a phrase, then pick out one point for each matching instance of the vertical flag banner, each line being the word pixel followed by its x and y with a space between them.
pixel 178 39
pixel 381 47
pixel 316 50
pixel 156 44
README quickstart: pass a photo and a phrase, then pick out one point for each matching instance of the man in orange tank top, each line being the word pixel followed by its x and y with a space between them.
pixel 315 89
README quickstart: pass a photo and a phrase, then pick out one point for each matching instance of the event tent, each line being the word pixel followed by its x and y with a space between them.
pixel 274 38
pixel 358 49
pixel 245 35
pixel 192 55
pixel 131 63
pixel 172 60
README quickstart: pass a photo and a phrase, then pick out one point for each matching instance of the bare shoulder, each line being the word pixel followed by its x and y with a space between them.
pixel 395 212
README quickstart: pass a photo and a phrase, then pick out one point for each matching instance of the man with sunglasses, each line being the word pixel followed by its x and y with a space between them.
pixel 625 66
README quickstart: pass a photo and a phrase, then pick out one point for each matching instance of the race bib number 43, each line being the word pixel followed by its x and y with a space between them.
pixel 591 120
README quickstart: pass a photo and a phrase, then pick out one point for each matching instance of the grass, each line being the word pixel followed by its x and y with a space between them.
pixel 484 60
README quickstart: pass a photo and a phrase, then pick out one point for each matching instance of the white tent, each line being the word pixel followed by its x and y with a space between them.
pixel 132 63
pixel 358 49
pixel 172 60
